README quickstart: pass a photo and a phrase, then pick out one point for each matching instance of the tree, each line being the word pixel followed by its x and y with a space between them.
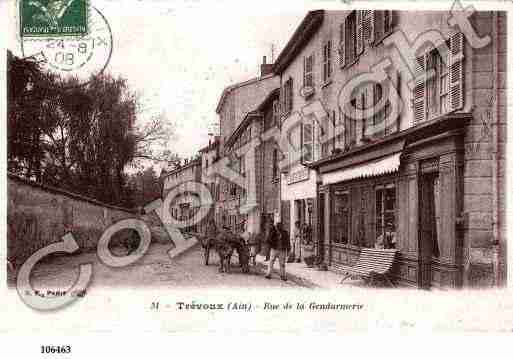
pixel 81 138
pixel 30 108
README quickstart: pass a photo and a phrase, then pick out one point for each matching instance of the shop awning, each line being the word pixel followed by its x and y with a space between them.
pixel 381 166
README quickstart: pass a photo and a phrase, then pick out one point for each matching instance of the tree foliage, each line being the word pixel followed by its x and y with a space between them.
pixel 81 138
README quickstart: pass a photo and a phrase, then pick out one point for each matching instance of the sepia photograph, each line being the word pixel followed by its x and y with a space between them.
pixel 180 157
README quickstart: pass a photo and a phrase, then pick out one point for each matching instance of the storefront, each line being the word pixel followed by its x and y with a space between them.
pixel 402 192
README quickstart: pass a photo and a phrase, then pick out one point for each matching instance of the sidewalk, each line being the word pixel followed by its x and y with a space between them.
pixel 309 277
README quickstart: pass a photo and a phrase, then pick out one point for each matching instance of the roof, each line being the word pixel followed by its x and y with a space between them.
pixel 230 88
pixel 195 162
pixel 214 144
pixel 304 32
pixel 269 99
pixel 242 126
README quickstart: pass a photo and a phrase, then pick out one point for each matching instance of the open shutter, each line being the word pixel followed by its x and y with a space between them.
pixel 368 26
pixel 342 45
pixel 283 109
pixel 419 91
pixel 388 21
pixel 290 94
pixel 456 71
pixel 305 69
pixel 359 122
pixel 378 25
pixel 312 69
pixel 359 32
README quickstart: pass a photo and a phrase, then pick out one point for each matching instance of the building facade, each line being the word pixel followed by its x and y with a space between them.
pixel 241 121
pixel 185 204
pixel 411 158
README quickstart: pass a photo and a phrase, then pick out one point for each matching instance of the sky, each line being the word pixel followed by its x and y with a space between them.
pixel 180 55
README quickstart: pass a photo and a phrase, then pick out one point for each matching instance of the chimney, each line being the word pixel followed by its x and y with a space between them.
pixel 265 68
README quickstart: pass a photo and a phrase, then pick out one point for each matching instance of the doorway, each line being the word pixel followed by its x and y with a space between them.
pixel 321 221
pixel 428 227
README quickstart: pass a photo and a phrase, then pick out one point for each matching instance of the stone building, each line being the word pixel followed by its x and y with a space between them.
pixel 240 123
pixel 185 204
pixel 413 156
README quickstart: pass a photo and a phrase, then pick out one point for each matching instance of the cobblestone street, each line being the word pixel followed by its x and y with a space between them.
pixel 154 269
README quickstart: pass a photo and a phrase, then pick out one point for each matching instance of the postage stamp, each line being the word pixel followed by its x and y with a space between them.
pixel 79 56
pixel 54 17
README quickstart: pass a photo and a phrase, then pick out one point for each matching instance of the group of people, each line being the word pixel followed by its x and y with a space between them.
pixel 276 244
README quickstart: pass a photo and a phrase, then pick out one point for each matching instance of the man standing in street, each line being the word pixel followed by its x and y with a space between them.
pixel 296 243
pixel 280 245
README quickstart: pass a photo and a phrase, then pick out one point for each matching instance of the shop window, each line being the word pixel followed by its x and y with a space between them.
pixel 385 217
pixel 341 217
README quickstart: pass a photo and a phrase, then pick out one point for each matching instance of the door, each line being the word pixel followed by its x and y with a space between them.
pixel 320 222
pixel 427 228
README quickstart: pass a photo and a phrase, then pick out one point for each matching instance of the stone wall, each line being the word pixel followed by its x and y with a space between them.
pixel 484 168
pixel 39 215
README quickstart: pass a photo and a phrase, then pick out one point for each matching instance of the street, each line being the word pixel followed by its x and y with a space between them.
pixel 154 269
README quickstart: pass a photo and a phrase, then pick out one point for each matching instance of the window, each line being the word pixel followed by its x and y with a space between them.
pixel 383 24
pixel 350 38
pixel 242 165
pixel 287 93
pixel 276 112
pixel 326 62
pixel 342 217
pixel 363 107
pixel 307 141
pixel 308 76
pixel 350 127
pixel 439 80
pixel 275 165
pixel 437 85
pixel 385 217
pixel 360 29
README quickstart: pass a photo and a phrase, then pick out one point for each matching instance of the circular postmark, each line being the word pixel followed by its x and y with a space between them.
pixel 80 57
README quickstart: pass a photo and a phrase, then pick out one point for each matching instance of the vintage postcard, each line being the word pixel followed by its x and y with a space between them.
pixel 191 166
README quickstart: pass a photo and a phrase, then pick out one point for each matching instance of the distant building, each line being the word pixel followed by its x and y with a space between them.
pixel 240 122
pixel 185 204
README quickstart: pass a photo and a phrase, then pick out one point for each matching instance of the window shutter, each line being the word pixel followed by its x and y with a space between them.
pixel 358 122
pixel 305 67
pixel 301 142
pixel 290 95
pixel 378 25
pixel 368 26
pixel 419 91
pixel 456 71
pixel 359 32
pixel 282 99
pixel 342 45
pixel 312 69
pixel 388 21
